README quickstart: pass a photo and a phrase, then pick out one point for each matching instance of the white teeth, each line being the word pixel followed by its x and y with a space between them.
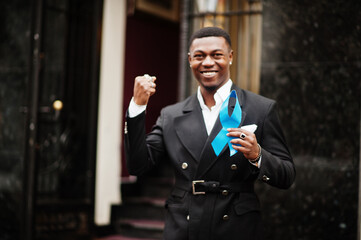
pixel 209 73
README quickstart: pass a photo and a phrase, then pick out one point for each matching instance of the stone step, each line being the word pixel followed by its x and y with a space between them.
pixel 141 214
pixel 120 237
pixel 141 228
pixel 152 201
pixel 143 224
pixel 139 208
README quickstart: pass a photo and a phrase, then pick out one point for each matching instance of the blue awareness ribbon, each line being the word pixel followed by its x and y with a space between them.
pixel 227 121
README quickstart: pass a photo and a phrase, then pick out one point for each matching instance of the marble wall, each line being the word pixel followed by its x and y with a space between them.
pixel 15 19
pixel 311 64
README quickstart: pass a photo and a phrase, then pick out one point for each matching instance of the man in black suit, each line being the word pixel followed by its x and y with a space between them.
pixel 218 143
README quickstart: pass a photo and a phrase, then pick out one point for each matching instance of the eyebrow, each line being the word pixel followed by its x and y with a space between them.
pixel 211 51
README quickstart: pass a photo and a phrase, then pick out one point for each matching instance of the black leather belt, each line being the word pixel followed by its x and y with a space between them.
pixel 198 187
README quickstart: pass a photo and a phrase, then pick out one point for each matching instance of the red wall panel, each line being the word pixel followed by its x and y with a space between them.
pixel 152 46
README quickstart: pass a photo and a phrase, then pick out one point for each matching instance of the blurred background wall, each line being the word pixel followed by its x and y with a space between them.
pixel 311 54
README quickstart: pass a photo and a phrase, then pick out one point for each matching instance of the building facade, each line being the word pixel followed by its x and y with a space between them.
pixel 55 117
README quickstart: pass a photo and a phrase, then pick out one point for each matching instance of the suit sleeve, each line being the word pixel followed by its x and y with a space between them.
pixel 142 151
pixel 277 168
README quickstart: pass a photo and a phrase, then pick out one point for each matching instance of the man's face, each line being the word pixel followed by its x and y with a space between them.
pixel 210 58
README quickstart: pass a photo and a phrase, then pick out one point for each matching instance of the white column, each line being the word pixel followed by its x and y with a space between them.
pixel 110 110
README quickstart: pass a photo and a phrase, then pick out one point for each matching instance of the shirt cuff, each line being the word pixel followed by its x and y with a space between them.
pixel 257 164
pixel 135 109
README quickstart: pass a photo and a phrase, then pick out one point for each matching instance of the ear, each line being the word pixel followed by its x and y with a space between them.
pixel 189 58
pixel 230 56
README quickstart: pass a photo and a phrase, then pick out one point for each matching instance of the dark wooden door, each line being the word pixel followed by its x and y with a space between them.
pixel 66 121
pixel 53 104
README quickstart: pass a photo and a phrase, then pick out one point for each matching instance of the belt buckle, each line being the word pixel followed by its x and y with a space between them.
pixel 194 187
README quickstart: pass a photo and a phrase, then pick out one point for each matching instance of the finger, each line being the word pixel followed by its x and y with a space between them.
pixel 152 84
pixel 239 130
pixel 145 82
pixel 144 87
pixel 237 134
pixel 239 142
pixel 242 136
pixel 150 80
pixel 242 149
pixel 151 91
pixel 153 81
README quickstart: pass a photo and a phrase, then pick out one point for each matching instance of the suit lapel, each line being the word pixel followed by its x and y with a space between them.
pixel 191 129
pixel 208 157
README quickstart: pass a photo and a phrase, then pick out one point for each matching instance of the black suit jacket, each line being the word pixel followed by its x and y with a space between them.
pixel 180 137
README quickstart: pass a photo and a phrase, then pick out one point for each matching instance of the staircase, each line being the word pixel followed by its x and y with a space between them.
pixel 141 214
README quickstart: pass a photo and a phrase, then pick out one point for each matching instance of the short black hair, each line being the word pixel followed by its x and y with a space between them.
pixel 210 32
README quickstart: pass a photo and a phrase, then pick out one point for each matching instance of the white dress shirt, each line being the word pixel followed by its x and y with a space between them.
pixel 210 115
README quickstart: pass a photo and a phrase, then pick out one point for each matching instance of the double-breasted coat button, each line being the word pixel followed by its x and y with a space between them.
pixel 187 217
pixel 265 178
pixel 184 165
pixel 234 167
pixel 224 192
pixel 225 217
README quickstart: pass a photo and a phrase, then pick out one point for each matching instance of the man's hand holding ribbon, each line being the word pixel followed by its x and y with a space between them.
pixel 246 145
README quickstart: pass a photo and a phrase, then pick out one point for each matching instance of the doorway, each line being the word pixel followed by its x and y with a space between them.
pixel 47 143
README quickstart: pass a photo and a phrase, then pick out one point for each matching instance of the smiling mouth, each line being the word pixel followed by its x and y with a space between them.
pixel 208 73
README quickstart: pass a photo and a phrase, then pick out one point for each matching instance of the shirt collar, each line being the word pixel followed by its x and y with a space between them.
pixel 221 94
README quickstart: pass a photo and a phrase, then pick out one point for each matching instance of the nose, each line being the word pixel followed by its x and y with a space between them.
pixel 208 61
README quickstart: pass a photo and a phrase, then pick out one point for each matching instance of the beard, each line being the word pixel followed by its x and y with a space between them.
pixel 211 88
